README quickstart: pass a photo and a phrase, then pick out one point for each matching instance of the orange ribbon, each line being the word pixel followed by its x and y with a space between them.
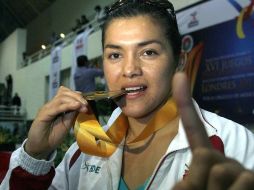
pixel 93 140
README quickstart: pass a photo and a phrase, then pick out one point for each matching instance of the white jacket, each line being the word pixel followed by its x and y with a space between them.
pixel 80 171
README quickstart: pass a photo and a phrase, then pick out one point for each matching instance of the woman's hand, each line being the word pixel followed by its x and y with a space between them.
pixel 53 122
pixel 209 168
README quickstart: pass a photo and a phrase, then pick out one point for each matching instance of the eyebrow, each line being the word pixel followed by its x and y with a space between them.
pixel 141 44
pixel 149 42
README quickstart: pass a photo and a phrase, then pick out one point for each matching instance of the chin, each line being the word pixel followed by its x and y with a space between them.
pixel 135 113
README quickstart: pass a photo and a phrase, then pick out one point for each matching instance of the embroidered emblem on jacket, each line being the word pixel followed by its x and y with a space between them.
pixel 186 171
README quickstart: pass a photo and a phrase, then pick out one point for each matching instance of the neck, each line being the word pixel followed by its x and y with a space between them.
pixel 140 129
pixel 136 126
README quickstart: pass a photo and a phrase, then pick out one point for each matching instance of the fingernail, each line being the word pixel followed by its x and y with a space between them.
pixel 78 92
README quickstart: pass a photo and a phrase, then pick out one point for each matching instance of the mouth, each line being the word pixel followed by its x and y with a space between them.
pixel 134 90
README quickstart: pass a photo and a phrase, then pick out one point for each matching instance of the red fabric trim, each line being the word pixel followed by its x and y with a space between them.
pixel 217 143
pixel 4 164
pixel 74 158
pixel 22 180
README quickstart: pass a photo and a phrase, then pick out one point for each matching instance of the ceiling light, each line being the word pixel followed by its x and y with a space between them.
pixel 62 35
pixel 43 46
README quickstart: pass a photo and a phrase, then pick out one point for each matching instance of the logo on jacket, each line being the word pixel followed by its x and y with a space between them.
pixel 91 168
pixel 186 171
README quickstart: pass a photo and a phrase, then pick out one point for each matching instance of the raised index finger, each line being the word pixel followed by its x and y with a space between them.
pixel 194 128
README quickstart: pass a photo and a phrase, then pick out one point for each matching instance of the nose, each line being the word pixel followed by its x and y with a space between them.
pixel 132 67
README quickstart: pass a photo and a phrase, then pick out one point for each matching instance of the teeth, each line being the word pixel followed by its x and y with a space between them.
pixel 130 89
pixel 133 88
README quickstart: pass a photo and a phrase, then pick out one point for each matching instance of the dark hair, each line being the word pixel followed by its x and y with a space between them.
pixel 159 14
pixel 82 61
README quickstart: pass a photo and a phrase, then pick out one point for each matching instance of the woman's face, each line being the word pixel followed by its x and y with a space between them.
pixel 138 58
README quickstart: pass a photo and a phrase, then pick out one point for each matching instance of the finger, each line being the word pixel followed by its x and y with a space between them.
pixel 245 181
pixel 74 103
pixel 193 126
pixel 202 162
pixel 222 175
pixel 67 109
pixel 60 127
pixel 56 108
pixel 74 94
pixel 79 97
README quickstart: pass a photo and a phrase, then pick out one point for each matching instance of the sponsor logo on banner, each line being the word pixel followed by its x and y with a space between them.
pixel 80 44
pixel 194 22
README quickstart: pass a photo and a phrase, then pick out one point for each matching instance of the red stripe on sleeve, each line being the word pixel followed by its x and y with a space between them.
pixel 74 158
pixel 22 180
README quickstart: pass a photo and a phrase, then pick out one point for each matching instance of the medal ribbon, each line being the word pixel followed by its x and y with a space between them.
pixel 93 140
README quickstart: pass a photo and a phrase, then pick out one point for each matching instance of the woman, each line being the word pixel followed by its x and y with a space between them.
pixel 141 45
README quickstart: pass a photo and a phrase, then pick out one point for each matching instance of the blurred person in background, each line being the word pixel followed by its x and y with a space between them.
pixel 16 101
pixel 84 78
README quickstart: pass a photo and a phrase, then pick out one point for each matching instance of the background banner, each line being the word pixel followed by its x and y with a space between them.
pixel 218 38
pixel 79 48
pixel 54 78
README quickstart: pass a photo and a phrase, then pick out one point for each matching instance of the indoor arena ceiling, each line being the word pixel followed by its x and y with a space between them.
pixel 18 13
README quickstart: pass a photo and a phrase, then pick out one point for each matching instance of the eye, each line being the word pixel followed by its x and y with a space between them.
pixel 150 53
pixel 114 56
